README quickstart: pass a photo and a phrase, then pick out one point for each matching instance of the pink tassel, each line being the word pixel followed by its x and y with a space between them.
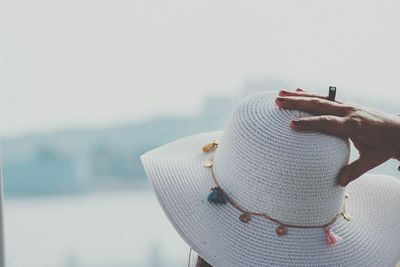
pixel 331 238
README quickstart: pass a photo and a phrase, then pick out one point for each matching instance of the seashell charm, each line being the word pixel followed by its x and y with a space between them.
pixel 208 163
pixel 281 230
pixel 346 215
pixel 245 217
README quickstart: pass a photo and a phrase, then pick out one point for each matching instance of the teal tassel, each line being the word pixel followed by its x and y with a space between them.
pixel 216 196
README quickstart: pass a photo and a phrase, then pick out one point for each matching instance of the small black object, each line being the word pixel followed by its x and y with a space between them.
pixel 332 93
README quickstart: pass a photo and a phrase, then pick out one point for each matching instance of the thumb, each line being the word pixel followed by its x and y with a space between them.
pixel 364 163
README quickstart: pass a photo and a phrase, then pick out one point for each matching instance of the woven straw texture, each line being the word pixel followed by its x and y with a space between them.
pixel 267 167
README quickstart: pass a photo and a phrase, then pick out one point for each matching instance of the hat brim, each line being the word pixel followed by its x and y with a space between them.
pixel 181 183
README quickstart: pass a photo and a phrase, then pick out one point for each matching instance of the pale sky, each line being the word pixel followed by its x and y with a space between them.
pixel 82 63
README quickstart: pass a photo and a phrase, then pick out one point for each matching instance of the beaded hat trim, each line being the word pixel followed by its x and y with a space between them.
pixel 219 196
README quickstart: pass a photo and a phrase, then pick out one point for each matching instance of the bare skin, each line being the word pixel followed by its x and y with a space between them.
pixel 375 134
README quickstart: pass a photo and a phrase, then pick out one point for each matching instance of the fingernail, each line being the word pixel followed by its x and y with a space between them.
pixel 342 183
pixel 283 92
pixel 345 183
pixel 295 124
pixel 280 99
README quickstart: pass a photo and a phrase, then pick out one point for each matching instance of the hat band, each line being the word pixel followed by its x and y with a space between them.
pixel 219 196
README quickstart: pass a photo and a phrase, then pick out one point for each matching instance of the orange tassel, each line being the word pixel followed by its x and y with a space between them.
pixel 209 147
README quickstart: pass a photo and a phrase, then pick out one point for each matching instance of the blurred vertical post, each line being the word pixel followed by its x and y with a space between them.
pixel 2 249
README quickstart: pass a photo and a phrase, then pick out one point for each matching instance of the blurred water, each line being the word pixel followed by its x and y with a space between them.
pixel 111 229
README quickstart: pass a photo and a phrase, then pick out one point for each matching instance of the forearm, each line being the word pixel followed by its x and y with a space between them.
pixel 397 138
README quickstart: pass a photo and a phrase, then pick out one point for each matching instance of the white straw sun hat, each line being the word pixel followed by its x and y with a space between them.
pixel 262 194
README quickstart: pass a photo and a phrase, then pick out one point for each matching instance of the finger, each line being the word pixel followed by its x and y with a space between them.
pixel 328 124
pixel 314 105
pixel 360 166
pixel 301 92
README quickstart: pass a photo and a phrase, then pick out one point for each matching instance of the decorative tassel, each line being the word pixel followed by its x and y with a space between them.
pixel 331 238
pixel 216 196
pixel 209 147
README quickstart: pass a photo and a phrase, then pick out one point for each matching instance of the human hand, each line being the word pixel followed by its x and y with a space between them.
pixel 375 134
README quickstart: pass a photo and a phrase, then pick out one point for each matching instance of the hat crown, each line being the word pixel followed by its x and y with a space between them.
pixel 268 167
